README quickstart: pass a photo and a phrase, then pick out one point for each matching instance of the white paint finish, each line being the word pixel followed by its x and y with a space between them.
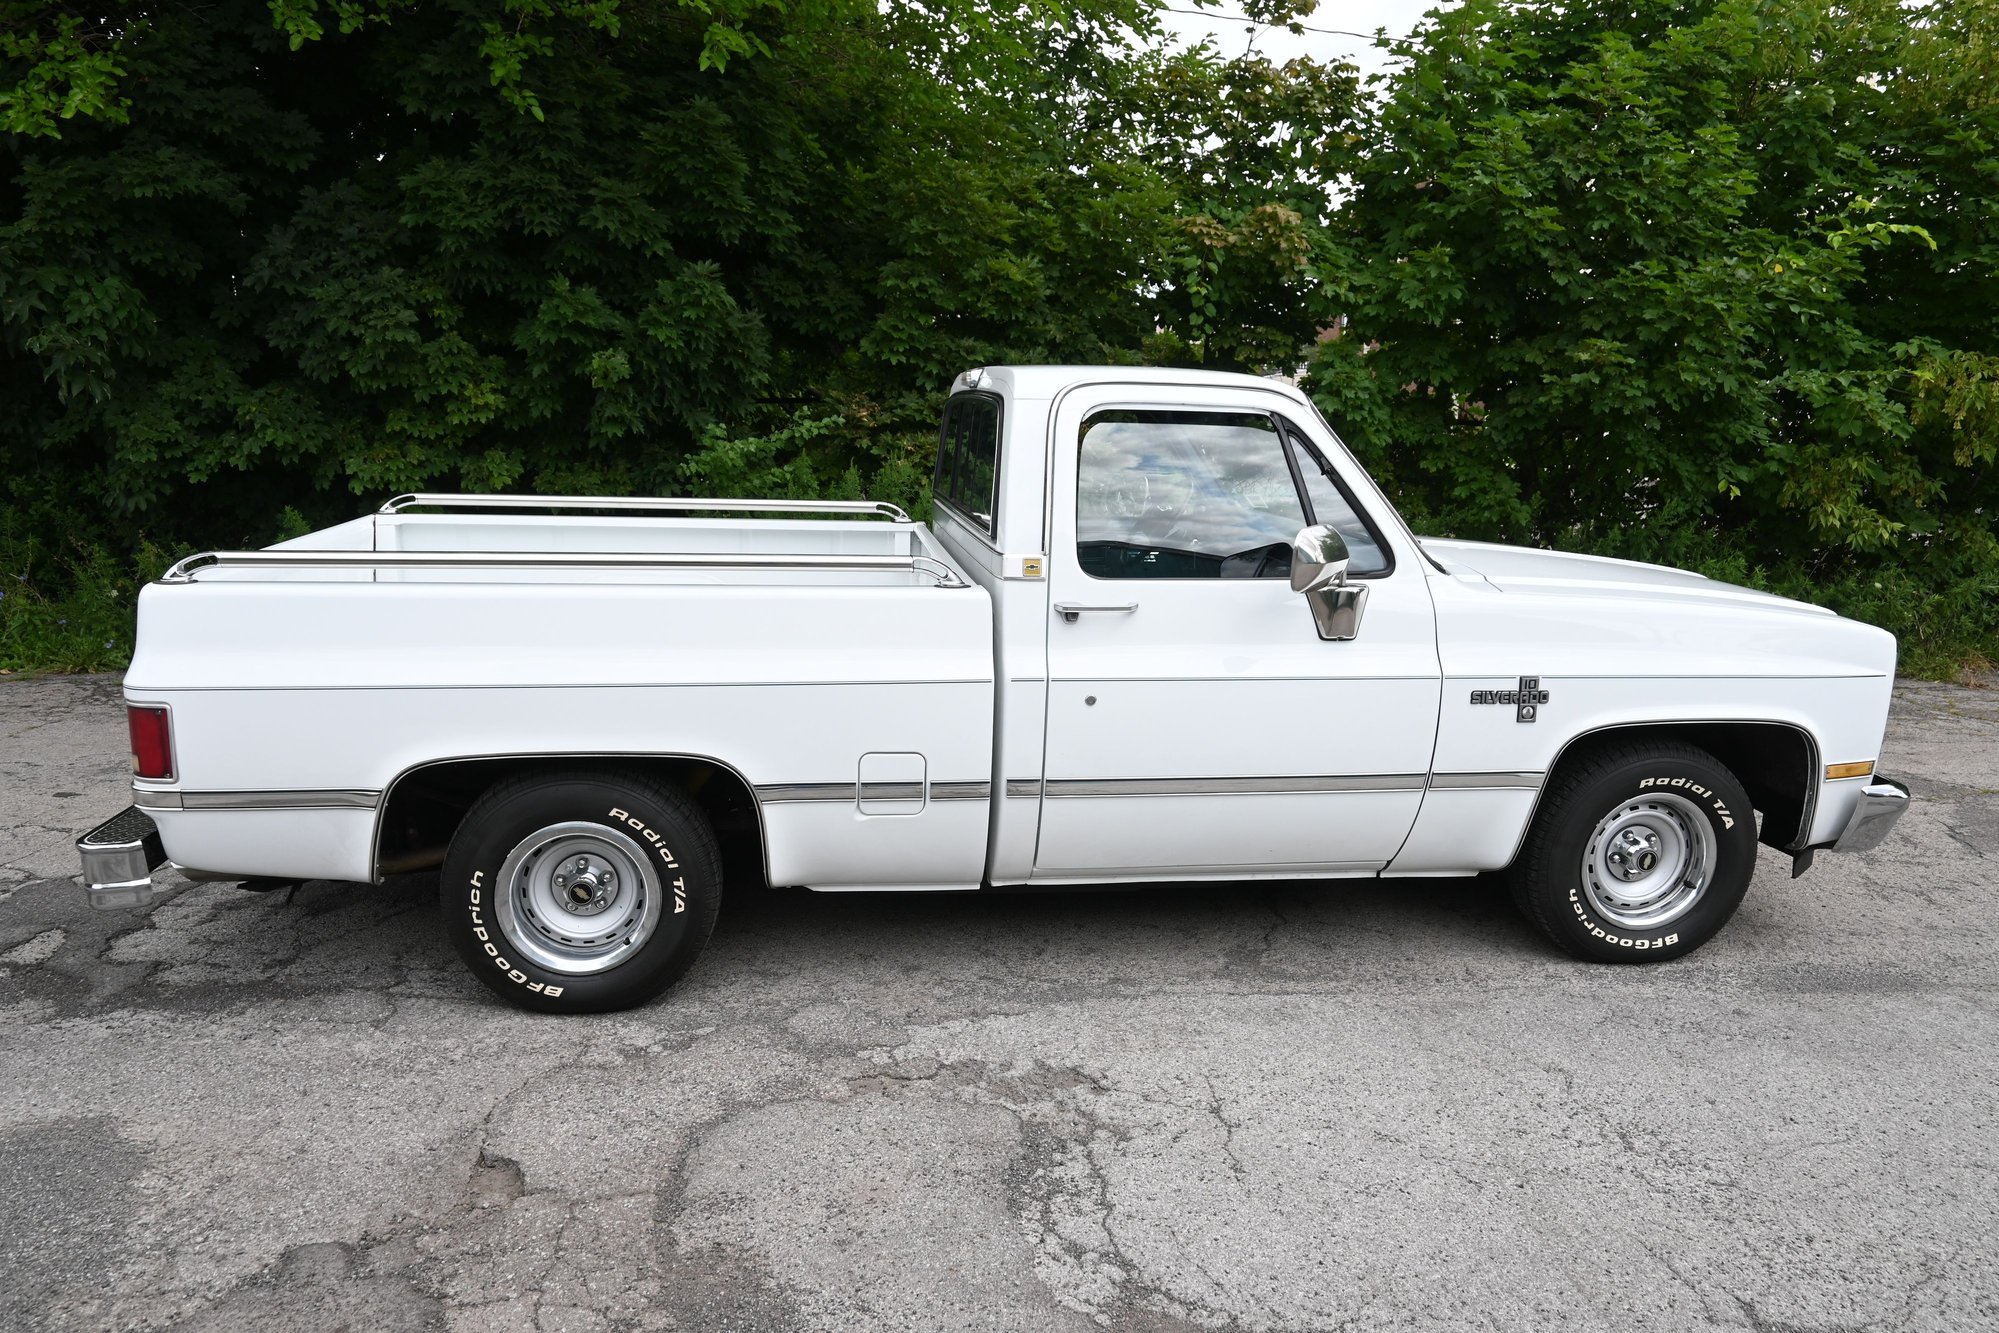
pixel 1465 830
pixel 291 680
pixel 1683 627
pixel 769 734
pixel 1522 569
pixel 1225 678
pixel 441 635
pixel 1020 663
pixel 272 844
pixel 1621 651
pixel 1306 833
pixel 831 845
pixel 357 683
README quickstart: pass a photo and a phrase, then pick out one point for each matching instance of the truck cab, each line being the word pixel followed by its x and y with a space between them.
pixel 1166 705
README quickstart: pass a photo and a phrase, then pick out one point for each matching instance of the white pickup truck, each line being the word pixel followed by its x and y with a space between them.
pixel 1163 628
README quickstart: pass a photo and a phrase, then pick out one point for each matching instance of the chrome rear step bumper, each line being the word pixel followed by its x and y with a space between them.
pixel 119 857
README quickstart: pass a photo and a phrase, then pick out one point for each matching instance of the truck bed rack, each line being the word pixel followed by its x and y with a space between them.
pixel 185 571
pixel 643 504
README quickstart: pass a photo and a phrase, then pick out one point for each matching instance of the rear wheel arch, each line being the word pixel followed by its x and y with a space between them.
pixel 423 806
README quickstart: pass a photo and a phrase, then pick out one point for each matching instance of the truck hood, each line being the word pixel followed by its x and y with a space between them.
pixel 1521 569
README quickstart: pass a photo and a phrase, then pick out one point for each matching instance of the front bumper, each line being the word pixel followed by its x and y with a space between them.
pixel 1882 802
pixel 119 857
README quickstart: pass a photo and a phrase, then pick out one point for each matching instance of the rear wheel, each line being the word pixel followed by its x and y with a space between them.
pixel 1638 853
pixel 579 892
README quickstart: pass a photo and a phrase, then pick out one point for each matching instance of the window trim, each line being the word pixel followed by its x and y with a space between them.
pixel 988 529
pixel 1287 429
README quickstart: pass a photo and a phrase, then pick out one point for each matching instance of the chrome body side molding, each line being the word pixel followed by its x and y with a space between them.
pixel 1248 786
pixel 784 793
pixel 344 798
pixel 1528 781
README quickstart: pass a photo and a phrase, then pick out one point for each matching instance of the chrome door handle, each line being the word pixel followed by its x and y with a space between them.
pixel 1070 610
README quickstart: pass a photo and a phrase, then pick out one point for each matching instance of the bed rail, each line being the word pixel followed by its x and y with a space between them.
pixel 653 504
pixel 185 571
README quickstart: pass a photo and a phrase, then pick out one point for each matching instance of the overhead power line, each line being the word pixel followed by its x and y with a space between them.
pixel 1259 23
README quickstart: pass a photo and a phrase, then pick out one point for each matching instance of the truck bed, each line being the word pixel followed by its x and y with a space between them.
pixel 782 647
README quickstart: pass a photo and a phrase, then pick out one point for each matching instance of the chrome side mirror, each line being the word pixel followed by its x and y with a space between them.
pixel 1318 559
pixel 1319 570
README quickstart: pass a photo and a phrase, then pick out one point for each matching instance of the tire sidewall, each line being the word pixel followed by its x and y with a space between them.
pixel 1721 801
pixel 686 867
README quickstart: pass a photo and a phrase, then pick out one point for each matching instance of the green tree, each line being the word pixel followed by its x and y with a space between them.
pixel 300 272
pixel 1715 283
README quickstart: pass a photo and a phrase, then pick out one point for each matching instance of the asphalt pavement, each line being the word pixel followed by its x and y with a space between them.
pixel 1349 1105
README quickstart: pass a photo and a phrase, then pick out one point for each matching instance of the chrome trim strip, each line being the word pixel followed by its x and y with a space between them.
pixel 148 798
pixel 891 791
pixel 780 793
pixel 1257 786
pixel 1023 787
pixel 1224 680
pixel 185 571
pixel 660 504
pixel 1479 781
pixel 336 799
pixel 786 793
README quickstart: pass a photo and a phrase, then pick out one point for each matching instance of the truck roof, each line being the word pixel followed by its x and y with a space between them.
pixel 1047 381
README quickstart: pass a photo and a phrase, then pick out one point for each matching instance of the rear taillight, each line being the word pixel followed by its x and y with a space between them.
pixel 152 741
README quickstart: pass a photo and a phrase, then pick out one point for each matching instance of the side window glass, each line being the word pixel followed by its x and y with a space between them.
pixel 1184 495
pixel 1331 507
pixel 968 458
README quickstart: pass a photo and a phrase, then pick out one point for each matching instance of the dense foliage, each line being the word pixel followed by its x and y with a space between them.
pixel 1705 282
pixel 1712 284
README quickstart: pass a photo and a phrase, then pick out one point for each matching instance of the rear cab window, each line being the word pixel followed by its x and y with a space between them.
pixel 968 459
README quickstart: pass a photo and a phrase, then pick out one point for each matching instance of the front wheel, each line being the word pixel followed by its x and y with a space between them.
pixel 580 892
pixel 1638 853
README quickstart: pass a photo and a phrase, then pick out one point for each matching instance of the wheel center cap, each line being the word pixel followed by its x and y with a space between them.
pixel 586 887
pixel 1633 854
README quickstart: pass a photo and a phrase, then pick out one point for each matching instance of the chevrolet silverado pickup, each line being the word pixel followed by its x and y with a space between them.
pixel 1163 628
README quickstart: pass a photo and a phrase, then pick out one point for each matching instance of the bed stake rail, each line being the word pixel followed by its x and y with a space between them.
pixel 654 504
pixel 185 571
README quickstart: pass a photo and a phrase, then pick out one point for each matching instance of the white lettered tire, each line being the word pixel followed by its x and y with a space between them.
pixel 580 891
pixel 1639 852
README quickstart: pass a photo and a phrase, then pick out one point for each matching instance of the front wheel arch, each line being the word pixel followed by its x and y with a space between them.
pixel 1776 762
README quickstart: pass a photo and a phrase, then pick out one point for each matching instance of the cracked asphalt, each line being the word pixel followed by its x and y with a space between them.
pixel 1349 1105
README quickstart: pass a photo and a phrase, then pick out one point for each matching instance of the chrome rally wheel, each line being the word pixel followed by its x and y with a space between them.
pixel 1648 861
pixel 579 898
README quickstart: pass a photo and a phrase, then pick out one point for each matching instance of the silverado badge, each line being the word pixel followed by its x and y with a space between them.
pixel 1526 700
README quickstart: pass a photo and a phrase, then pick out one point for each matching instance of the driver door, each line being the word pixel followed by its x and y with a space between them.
pixel 1197 725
